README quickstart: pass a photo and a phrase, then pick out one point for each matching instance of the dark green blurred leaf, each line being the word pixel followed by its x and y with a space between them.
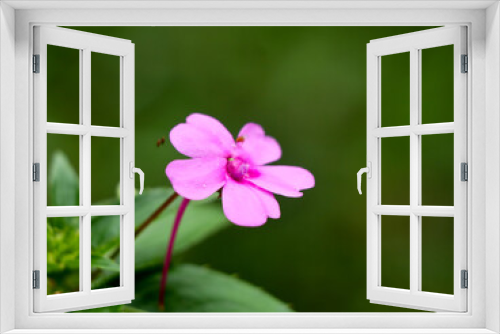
pixel 149 201
pixel 105 234
pixel 106 238
pixel 105 263
pixel 64 183
pixel 201 220
pixel 192 288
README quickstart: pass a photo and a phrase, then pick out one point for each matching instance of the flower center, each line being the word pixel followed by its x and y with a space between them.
pixel 237 168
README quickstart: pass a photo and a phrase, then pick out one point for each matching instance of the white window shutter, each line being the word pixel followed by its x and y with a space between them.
pixel 414 297
pixel 85 298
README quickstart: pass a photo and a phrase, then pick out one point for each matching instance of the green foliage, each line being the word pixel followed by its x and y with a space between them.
pixel 105 263
pixel 63 241
pixel 63 260
pixel 63 188
pixel 193 288
pixel 200 221
pixel 190 288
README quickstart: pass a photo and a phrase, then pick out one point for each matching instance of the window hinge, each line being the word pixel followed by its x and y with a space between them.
pixel 36 279
pixel 36 172
pixel 465 64
pixel 464 171
pixel 36 63
pixel 464 279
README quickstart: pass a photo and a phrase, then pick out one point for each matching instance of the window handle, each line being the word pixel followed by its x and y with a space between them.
pixel 141 175
pixel 368 171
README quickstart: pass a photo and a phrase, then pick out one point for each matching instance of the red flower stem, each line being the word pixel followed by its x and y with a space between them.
pixel 168 256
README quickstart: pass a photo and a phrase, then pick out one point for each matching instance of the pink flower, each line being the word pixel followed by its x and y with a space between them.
pixel 238 167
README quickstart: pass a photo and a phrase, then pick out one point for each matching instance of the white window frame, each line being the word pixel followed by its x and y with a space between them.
pixel 86 44
pixel 414 44
pixel 16 125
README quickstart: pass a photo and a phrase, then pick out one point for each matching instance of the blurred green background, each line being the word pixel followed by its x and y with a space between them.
pixel 307 87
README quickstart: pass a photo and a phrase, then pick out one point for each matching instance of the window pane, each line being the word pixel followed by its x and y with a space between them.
pixel 63 85
pixel 437 169
pixel 63 255
pixel 63 155
pixel 395 171
pixel 437 254
pixel 105 170
pixel 437 84
pixel 105 76
pixel 105 239
pixel 396 251
pixel 395 89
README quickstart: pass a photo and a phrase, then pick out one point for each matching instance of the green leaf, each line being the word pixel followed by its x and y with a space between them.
pixel 63 182
pixel 63 254
pixel 106 238
pixel 201 220
pixel 104 263
pixel 149 201
pixel 63 242
pixel 193 288
pixel 105 234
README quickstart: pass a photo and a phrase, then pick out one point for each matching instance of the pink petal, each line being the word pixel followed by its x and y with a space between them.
pixel 212 126
pixel 262 149
pixel 197 178
pixel 283 180
pixel 270 203
pixel 242 205
pixel 202 136
pixel 251 130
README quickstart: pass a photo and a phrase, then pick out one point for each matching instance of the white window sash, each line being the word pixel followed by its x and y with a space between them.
pixel 415 297
pixel 86 297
